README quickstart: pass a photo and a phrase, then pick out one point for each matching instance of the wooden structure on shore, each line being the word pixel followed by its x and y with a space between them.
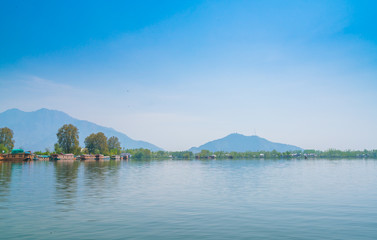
pixel 87 157
pixel 115 157
pixel 68 156
pixel 42 157
pixel 18 155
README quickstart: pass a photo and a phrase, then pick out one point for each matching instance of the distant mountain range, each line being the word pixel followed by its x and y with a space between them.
pixel 241 143
pixel 37 130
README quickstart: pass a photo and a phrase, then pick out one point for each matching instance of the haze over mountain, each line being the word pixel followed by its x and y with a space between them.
pixel 241 143
pixel 37 130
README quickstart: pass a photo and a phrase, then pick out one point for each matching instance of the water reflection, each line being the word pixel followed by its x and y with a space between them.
pixel 100 177
pixel 5 179
pixel 66 173
pixel 240 199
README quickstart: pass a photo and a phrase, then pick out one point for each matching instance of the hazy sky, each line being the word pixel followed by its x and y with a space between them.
pixel 181 73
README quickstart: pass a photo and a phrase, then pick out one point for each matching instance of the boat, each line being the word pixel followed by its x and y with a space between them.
pixel 87 157
pixel 42 157
pixel 68 156
pixel 18 155
pixel 125 156
pixel 115 157
pixel 106 157
pixel 99 157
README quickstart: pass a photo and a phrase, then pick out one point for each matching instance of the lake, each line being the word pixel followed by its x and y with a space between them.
pixel 197 199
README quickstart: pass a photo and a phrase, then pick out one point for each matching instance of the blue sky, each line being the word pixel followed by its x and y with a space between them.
pixel 180 73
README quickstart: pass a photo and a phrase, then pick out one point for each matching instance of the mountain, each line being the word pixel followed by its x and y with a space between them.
pixel 37 130
pixel 241 143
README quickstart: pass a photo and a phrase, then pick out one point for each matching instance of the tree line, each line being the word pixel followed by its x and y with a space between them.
pixel 95 143
pixel 331 153
pixel 68 142
pixel 205 154
pixel 98 143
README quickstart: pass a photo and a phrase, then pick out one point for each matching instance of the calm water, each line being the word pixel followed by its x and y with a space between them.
pixel 217 199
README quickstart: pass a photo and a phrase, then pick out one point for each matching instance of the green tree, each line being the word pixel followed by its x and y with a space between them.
pixel 179 155
pixel 3 149
pixel 113 152
pixel 42 153
pixel 6 138
pixel 140 153
pixel 204 154
pixel 96 141
pixel 57 148
pixel 78 151
pixel 68 138
pixel 114 144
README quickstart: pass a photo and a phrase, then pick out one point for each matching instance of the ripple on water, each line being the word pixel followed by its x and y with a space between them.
pixel 239 199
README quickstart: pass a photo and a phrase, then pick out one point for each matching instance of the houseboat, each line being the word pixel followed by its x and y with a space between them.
pixel 18 155
pixel 115 157
pixel 42 157
pixel 68 156
pixel 87 157
pixel 125 156
pixel 99 157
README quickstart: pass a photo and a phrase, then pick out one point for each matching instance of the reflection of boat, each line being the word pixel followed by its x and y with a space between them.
pixel 18 155
pixel 87 157
pixel 68 156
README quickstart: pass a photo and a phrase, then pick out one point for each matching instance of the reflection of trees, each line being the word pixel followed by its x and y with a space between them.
pixel 100 176
pixel 5 178
pixel 66 181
